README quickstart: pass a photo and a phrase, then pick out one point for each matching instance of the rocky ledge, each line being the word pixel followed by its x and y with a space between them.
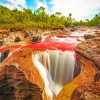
pixel 86 86
pixel 91 50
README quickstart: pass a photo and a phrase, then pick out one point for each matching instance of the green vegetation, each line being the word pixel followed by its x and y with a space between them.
pixel 26 19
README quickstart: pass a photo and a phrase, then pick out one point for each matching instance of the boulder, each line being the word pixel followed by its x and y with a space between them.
pixel 36 39
pixel 17 39
pixel 89 36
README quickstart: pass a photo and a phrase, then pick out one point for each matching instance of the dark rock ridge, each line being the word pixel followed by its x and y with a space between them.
pixel 15 86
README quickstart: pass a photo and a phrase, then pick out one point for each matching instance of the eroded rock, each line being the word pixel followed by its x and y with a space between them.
pixel 15 86
pixel 91 50
pixel 89 36
pixel 87 92
pixel 21 58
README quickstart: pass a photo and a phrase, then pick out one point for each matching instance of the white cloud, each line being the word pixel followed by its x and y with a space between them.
pixel 39 4
pixel 43 4
pixel 78 8
pixel 15 4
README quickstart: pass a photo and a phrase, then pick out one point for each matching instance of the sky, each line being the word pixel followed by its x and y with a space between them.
pixel 80 9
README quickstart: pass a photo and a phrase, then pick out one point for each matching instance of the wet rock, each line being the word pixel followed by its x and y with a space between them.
pixel 89 36
pixel 36 39
pixel 17 39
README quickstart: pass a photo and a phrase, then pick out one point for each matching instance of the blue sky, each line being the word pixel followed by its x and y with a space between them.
pixel 80 9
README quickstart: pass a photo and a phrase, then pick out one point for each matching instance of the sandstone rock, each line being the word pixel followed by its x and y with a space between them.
pixel 72 28
pixel 21 58
pixel 86 76
pixel 17 39
pixel 91 50
pixel 87 92
pixel 87 83
pixel 97 76
pixel 89 36
pixel 97 34
pixel 15 86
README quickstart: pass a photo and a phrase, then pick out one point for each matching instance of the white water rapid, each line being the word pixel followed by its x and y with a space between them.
pixel 60 65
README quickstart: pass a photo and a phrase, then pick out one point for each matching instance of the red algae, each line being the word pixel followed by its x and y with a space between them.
pixel 9 47
pixel 53 45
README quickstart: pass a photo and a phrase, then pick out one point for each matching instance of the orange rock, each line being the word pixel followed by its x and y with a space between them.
pixel 22 59
pixel 88 59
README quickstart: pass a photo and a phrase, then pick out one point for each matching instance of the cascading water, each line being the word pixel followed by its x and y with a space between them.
pixel 60 65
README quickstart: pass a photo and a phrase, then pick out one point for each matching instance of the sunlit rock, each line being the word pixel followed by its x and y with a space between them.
pixel 87 57
pixel 22 60
pixel 15 86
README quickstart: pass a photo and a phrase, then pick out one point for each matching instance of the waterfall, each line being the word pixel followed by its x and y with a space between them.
pixel 45 76
pixel 60 65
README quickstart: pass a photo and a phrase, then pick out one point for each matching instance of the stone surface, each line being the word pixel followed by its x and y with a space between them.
pixel 89 36
pixel 86 86
pixel 87 92
pixel 86 76
pixel 22 60
pixel 15 86
pixel 91 50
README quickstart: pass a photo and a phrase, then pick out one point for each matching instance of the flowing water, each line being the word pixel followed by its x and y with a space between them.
pixel 60 65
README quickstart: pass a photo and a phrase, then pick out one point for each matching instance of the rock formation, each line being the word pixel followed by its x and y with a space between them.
pixel 15 86
pixel 86 86
pixel 21 77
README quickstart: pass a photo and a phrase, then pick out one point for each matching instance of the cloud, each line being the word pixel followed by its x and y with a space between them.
pixel 39 4
pixel 19 4
pixel 43 4
pixel 78 8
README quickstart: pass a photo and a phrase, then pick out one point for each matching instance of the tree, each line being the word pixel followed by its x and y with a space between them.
pixel 58 14
pixel 39 10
